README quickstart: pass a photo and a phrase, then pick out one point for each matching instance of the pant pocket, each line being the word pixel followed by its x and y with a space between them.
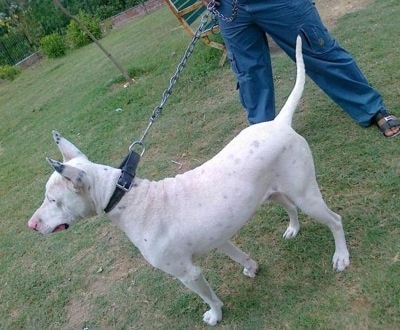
pixel 235 69
pixel 316 39
pixel 232 61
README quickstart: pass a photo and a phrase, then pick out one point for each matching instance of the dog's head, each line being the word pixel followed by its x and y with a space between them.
pixel 67 196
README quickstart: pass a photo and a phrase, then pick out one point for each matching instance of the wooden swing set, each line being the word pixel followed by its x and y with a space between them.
pixel 189 12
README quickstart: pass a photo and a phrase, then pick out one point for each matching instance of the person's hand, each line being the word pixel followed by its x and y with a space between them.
pixel 206 2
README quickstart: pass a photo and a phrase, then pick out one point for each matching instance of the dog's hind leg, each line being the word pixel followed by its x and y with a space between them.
pixel 195 281
pixel 313 205
pixel 291 209
pixel 236 254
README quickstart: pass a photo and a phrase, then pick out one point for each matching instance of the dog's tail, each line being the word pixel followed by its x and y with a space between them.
pixel 286 113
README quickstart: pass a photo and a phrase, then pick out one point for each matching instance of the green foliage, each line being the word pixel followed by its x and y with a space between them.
pixel 53 45
pixel 41 17
pixel 47 17
pixel 9 72
pixel 106 9
pixel 76 36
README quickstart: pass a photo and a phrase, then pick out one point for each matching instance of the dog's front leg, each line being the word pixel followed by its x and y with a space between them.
pixel 236 254
pixel 195 281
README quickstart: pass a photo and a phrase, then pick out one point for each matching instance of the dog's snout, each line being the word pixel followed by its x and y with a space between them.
pixel 33 225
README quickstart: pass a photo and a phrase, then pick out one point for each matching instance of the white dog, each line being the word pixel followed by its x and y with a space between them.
pixel 176 219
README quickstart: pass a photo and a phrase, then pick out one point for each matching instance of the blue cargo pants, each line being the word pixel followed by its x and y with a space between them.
pixel 331 67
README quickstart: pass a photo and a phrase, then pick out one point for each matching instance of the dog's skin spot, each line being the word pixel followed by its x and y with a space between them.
pixel 294 162
pixel 251 151
pixel 255 144
pixel 58 167
pixel 274 188
pixel 145 240
pixel 200 205
pixel 211 238
pixel 105 169
pixel 122 207
pixel 189 243
pixel 225 197
pixel 278 175
pixel 234 159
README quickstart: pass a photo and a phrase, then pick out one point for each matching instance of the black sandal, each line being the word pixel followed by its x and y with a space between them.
pixel 387 122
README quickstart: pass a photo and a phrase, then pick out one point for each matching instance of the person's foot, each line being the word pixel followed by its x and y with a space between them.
pixel 388 124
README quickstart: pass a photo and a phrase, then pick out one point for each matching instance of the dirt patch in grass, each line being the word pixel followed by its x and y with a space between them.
pixel 331 11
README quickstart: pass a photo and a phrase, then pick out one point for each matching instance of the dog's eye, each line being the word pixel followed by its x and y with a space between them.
pixel 51 200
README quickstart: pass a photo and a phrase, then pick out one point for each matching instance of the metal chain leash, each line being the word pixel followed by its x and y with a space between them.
pixel 211 9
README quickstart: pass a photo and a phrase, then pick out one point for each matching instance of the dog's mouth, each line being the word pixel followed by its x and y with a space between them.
pixel 63 226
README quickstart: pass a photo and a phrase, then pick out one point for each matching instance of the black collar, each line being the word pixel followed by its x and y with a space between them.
pixel 124 184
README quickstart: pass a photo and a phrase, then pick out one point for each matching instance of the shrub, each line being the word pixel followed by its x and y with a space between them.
pixel 76 36
pixel 53 45
pixel 9 72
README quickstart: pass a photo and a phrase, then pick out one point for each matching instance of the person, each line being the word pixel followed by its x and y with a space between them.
pixel 331 67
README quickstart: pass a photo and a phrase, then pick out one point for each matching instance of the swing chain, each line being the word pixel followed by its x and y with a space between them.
pixel 174 79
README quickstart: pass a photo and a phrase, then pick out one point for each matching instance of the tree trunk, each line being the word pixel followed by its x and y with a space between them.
pixel 91 36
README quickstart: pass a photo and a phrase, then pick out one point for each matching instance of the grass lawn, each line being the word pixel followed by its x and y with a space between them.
pixel 92 276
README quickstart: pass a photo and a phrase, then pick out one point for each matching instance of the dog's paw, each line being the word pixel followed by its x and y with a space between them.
pixel 211 317
pixel 340 261
pixel 251 269
pixel 290 232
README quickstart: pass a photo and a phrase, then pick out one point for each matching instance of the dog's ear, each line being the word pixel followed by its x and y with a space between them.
pixel 68 150
pixel 76 176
